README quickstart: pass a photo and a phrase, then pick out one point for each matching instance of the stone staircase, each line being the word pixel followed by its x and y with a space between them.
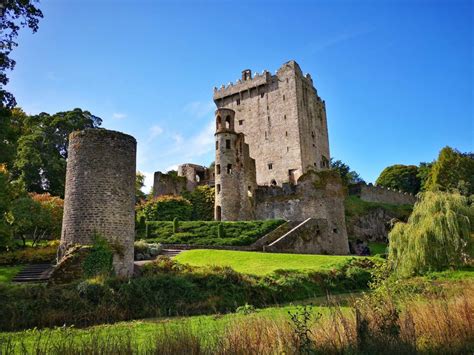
pixel 34 273
pixel 170 253
pixel 275 234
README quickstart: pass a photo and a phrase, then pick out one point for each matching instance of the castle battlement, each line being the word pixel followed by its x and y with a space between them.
pixel 243 84
pixel 377 193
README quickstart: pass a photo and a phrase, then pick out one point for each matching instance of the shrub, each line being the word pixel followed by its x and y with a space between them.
pixel 165 208
pixel 437 235
pixel 99 260
pixel 31 255
pixel 202 200
pixel 207 232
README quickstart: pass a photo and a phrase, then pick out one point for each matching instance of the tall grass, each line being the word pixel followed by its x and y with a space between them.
pixel 438 235
pixel 434 324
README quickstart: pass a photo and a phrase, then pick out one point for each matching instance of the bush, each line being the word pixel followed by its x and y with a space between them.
pixel 436 237
pixel 99 259
pixel 31 255
pixel 166 288
pixel 207 232
pixel 165 208
pixel 202 200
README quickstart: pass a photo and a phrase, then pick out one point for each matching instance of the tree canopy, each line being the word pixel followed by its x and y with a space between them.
pixel 14 14
pixel 400 177
pixel 348 176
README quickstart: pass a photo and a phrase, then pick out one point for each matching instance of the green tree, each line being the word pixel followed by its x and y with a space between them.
pixel 453 171
pixel 139 184
pixel 400 177
pixel 5 198
pixel 165 208
pixel 438 235
pixel 424 170
pixel 202 200
pixel 41 152
pixel 348 176
pixel 14 14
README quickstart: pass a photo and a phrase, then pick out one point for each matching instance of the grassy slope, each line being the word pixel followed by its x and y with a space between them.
pixel 260 263
pixel 8 272
pixel 144 331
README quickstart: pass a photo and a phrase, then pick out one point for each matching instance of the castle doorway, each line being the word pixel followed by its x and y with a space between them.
pixel 292 176
pixel 218 213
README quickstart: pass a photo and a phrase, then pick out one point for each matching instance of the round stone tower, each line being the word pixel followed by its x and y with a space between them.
pixel 227 177
pixel 100 193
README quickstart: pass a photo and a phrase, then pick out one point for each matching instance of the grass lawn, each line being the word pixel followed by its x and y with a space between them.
pixel 145 331
pixel 261 263
pixel 377 248
pixel 8 272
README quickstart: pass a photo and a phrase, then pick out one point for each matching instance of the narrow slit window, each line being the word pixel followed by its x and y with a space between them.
pixel 270 166
pixel 217 145
pixel 229 168
pixel 218 169
pixel 218 188
pixel 227 144
pixel 238 101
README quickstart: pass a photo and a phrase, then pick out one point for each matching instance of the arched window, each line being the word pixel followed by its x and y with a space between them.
pixel 227 122
pixel 218 123
pixel 273 183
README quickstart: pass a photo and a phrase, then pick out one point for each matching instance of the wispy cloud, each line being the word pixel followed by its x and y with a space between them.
pixel 199 109
pixel 119 115
pixel 155 131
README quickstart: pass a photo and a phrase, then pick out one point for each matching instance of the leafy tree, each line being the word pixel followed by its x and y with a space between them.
pixel 423 175
pixel 41 152
pixel 438 235
pixel 453 171
pixel 348 176
pixel 165 208
pixel 14 14
pixel 202 200
pixel 139 184
pixel 5 197
pixel 400 177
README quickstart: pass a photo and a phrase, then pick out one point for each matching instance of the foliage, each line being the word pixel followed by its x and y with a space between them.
pixel 14 14
pixel 181 291
pixel 99 260
pixel 139 184
pixel 354 206
pixel 41 153
pixel 438 235
pixel 202 200
pixel 245 309
pixel 424 170
pixel 9 272
pixel 5 197
pixel 302 320
pixel 175 225
pixel 400 177
pixel 36 217
pixel 30 255
pixel 165 208
pixel 207 232
pixel 453 171
pixel 348 176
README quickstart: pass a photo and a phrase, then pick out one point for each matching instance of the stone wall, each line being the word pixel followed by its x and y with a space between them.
pixel 165 184
pixel 283 119
pixel 317 195
pixel 100 193
pixel 371 193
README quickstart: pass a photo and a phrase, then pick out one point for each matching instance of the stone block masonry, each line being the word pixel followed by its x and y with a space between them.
pixel 100 193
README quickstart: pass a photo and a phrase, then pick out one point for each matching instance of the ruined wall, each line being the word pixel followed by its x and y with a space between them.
pixel 100 193
pixel 234 171
pixel 165 184
pixel 318 195
pixel 283 119
pixel 371 193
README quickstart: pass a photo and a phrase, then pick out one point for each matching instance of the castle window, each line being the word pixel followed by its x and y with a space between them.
pixel 218 188
pixel 217 145
pixel 241 122
pixel 273 182
pixel 218 213
pixel 229 168
pixel 218 123
pixel 266 135
pixel 227 122
pixel 262 94
pixel 287 149
pixel 286 133
pixel 312 134
pixel 227 144
pixel 283 97
pixel 284 117
pixel 238 101
pixel 218 169
pixel 268 119
pixel 270 166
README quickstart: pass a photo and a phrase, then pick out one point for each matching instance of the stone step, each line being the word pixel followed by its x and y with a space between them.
pixel 34 273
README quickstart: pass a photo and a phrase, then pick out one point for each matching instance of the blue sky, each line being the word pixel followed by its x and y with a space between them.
pixel 397 76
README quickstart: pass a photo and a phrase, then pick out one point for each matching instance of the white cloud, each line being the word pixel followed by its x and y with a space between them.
pixel 172 167
pixel 119 115
pixel 199 109
pixel 148 181
pixel 155 131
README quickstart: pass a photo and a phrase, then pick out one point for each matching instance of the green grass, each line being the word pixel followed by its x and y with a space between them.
pixel 8 272
pixel 144 331
pixel 261 263
pixel 354 206
pixel 377 248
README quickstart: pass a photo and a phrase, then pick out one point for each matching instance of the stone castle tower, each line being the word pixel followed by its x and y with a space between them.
pixel 283 120
pixel 235 181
